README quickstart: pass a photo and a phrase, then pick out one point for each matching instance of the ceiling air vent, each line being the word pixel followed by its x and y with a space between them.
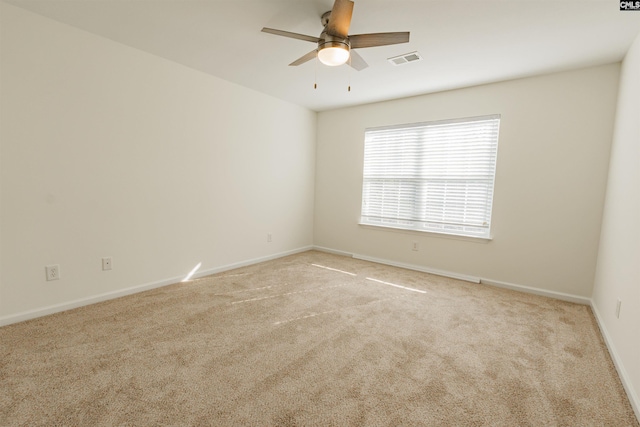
pixel 405 59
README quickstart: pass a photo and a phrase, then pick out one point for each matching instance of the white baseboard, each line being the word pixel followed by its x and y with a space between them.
pixel 332 251
pixel 253 261
pixel 44 311
pixel 617 362
pixel 437 272
pixel 537 291
pixel 521 288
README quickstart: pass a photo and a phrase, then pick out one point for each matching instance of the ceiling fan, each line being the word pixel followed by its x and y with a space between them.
pixel 335 45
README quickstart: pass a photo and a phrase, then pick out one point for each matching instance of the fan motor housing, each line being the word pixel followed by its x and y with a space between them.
pixel 327 40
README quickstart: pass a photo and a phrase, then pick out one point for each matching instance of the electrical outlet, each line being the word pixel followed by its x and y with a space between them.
pixel 618 304
pixel 415 246
pixel 106 263
pixel 53 272
pixel 269 238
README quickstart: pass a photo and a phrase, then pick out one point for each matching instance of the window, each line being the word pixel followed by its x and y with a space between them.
pixel 435 176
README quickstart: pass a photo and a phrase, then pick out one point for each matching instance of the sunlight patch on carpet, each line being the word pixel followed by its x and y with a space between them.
pixel 397 286
pixel 334 269
pixel 285 294
pixel 305 317
pixel 335 311
pixel 251 289
pixel 224 276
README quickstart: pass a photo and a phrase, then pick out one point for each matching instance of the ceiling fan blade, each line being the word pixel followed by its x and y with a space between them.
pixel 357 62
pixel 340 18
pixel 307 57
pixel 377 39
pixel 290 35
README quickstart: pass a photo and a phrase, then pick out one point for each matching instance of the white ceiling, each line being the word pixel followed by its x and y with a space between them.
pixel 463 42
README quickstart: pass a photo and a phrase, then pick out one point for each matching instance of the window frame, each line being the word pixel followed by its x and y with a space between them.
pixel 421 221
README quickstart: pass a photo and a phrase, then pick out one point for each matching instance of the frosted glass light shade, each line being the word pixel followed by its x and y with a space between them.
pixel 333 56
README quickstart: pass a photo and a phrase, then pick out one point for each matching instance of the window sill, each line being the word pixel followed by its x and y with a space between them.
pixel 430 233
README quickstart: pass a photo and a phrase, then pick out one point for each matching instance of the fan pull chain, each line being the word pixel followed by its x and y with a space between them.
pixel 315 78
pixel 349 75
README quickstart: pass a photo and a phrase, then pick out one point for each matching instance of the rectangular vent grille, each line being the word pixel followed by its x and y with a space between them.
pixel 405 58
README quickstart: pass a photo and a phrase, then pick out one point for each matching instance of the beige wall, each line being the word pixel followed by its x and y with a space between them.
pixel 618 271
pixel 109 151
pixel 555 137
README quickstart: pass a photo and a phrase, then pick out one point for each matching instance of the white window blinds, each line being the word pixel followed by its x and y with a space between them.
pixel 435 176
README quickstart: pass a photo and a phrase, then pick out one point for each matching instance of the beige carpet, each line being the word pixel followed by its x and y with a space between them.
pixel 292 343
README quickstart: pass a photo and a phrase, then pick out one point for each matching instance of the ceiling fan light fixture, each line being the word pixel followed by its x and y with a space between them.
pixel 333 53
pixel 335 43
